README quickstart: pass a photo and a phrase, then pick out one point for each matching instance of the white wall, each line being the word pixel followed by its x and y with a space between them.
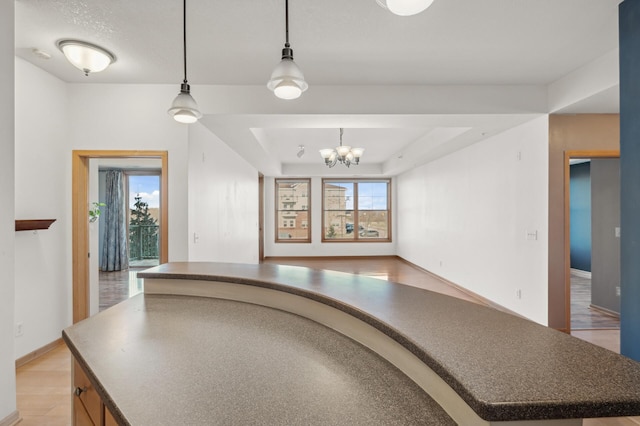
pixel 465 217
pixel 134 117
pixel 223 201
pixel 42 185
pixel 7 224
pixel 52 119
pixel 316 247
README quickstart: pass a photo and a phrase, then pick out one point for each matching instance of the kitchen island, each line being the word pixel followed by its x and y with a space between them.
pixel 251 344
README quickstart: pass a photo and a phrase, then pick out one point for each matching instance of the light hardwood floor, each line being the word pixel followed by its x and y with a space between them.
pixel 44 385
pixel 43 388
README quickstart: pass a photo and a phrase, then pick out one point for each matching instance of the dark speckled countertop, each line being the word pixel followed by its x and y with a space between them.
pixel 504 367
pixel 180 360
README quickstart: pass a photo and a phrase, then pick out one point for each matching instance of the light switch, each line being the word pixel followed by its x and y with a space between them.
pixel 617 230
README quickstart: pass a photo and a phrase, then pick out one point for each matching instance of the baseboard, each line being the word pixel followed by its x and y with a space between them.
pixel 37 353
pixel 580 273
pixel 12 419
pixel 381 256
pixel 605 311
pixel 482 300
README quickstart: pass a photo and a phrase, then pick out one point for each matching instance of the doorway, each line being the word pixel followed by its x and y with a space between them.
pixel 81 249
pixel 592 231
pixel 143 217
pixel 127 238
pixel 260 217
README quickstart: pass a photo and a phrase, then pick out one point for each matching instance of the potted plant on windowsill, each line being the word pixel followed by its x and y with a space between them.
pixel 94 213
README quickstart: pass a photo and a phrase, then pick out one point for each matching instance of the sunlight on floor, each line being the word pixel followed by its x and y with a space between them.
pixel 136 285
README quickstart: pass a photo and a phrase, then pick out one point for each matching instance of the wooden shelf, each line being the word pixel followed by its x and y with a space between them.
pixel 33 224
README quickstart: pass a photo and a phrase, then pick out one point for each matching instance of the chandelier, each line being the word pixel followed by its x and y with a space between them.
pixel 342 153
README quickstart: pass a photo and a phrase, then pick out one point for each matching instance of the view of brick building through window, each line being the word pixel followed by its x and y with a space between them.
pixel 293 210
pixel 355 210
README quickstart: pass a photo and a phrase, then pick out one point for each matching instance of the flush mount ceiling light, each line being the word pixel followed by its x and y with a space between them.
pixel 87 57
pixel 342 153
pixel 184 108
pixel 405 7
pixel 287 80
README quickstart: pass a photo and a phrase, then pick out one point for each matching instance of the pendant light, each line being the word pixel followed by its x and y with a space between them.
pixel 287 80
pixel 184 108
pixel 405 7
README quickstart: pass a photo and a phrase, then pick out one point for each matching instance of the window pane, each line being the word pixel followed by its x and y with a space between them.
pixel 293 195
pixel 293 210
pixel 373 224
pixel 338 196
pixel 293 225
pixel 338 225
pixel 372 196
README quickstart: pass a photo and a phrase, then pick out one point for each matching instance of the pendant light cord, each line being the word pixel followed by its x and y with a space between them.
pixel 184 37
pixel 286 23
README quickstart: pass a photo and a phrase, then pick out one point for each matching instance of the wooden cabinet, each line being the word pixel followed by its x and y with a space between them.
pixel 88 409
pixel 108 418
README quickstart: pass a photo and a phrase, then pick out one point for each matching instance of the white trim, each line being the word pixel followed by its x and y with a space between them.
pixel 580 273
pixel 12 419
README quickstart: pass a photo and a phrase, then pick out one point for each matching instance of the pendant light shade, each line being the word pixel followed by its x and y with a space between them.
pixel 287 80
pixel 405 7
pixel 87 57
pixel 184 108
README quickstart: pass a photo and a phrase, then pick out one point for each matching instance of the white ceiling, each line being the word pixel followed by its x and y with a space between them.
pixel 336 43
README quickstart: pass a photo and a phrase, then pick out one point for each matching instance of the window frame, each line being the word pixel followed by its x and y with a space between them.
pixel 356 212
pixel 278 221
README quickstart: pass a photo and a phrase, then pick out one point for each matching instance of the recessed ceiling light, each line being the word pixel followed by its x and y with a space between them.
pixel 85 56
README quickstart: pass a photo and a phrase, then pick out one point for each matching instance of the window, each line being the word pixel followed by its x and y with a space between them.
pixel 356 210
pixel 292 210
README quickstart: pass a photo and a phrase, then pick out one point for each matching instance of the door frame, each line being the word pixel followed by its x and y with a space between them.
pixel 568 155
pixel 80 224
pixel 260 217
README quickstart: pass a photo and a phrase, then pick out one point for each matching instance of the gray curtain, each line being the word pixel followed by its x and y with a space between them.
pixel 115 249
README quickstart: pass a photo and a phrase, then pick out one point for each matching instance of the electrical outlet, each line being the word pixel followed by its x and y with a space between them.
pixel 19 330
pixel 532 235
pixel 519 294
pixel 618 291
